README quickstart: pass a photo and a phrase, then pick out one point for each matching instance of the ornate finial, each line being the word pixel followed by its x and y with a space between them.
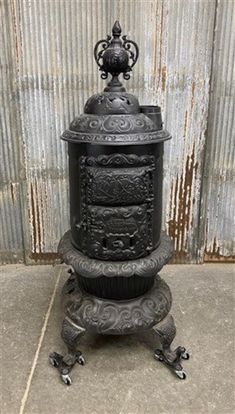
pixel 116 30
pixel 114 57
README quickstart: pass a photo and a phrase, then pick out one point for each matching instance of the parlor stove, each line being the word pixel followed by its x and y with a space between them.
pixel 115 247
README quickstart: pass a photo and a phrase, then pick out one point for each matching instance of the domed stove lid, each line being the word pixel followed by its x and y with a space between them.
pixel 114 117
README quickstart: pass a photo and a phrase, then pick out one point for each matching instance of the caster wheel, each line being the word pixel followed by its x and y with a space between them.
pixel 81 360
pixel 66 379
pixel 158 356
pixel 181 374
pixel 185 355
pixel 53 361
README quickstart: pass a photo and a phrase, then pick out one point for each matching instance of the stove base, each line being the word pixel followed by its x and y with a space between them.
pixel 84 312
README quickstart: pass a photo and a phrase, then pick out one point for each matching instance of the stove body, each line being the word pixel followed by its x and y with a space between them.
pixel 115 247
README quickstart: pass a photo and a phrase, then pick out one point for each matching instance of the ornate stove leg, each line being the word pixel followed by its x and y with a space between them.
pixel 166 331
pixel 71 334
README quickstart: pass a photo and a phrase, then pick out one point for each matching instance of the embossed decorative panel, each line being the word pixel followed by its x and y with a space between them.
pixel 117 233
pixel 109 182
pixel 118 186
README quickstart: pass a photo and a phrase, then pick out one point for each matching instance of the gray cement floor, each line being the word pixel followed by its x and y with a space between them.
pixel 121 375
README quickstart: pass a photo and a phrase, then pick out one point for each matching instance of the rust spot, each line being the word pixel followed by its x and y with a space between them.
pixel 193 92
pixel 181 200
pixel 38 234
pixel 36 202
pixel 34 227
pixel 185 122
pixel 155 51
pixel 159 57
pixel 49 257
pixel 38 217
pixel 18 42
pixel 15 30
pixel 179 258
pixel 12 192
pixel 164 78
pixel 215 256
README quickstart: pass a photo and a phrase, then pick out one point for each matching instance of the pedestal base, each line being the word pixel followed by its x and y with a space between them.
pixel 84 312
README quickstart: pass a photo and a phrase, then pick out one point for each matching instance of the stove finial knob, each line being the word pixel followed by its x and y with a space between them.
pixel 114 55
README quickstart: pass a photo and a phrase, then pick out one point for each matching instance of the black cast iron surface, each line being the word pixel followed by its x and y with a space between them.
pixel 115 247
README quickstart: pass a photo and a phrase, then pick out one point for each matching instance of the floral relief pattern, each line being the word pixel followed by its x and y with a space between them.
pixel 112 123
pixel 87 267
pixel 117 317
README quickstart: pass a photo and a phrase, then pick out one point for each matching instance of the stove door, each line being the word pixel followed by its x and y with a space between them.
pixel 118 233
pixel 117 206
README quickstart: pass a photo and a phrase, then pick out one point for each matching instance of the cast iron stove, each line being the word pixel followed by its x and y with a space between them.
pixel 115 247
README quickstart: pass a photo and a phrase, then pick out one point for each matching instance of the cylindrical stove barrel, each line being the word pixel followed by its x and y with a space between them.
pixel 81 208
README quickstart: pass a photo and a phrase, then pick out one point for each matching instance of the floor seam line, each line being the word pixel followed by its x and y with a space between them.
pixel 42 334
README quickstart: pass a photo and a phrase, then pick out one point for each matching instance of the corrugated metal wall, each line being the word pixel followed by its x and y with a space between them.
pixel 186 65
pixel 218 194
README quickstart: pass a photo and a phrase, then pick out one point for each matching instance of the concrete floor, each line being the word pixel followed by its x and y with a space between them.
pixel 121 375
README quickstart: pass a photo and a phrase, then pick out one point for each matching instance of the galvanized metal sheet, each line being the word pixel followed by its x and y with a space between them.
pixel 56 73
pixel 56 76
pixel 185 75
pixel 218 233
pixel 11 241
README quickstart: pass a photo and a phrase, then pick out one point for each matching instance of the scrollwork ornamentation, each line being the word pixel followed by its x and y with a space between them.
pixel 104 43
pixel 116 206
pixel 112 124
pixel 133 55
pixel 118 317
pixel 118 189
pixel 146 266
pixel 120 160
pixel 118 226
pixel 116 139
pixel 114 57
